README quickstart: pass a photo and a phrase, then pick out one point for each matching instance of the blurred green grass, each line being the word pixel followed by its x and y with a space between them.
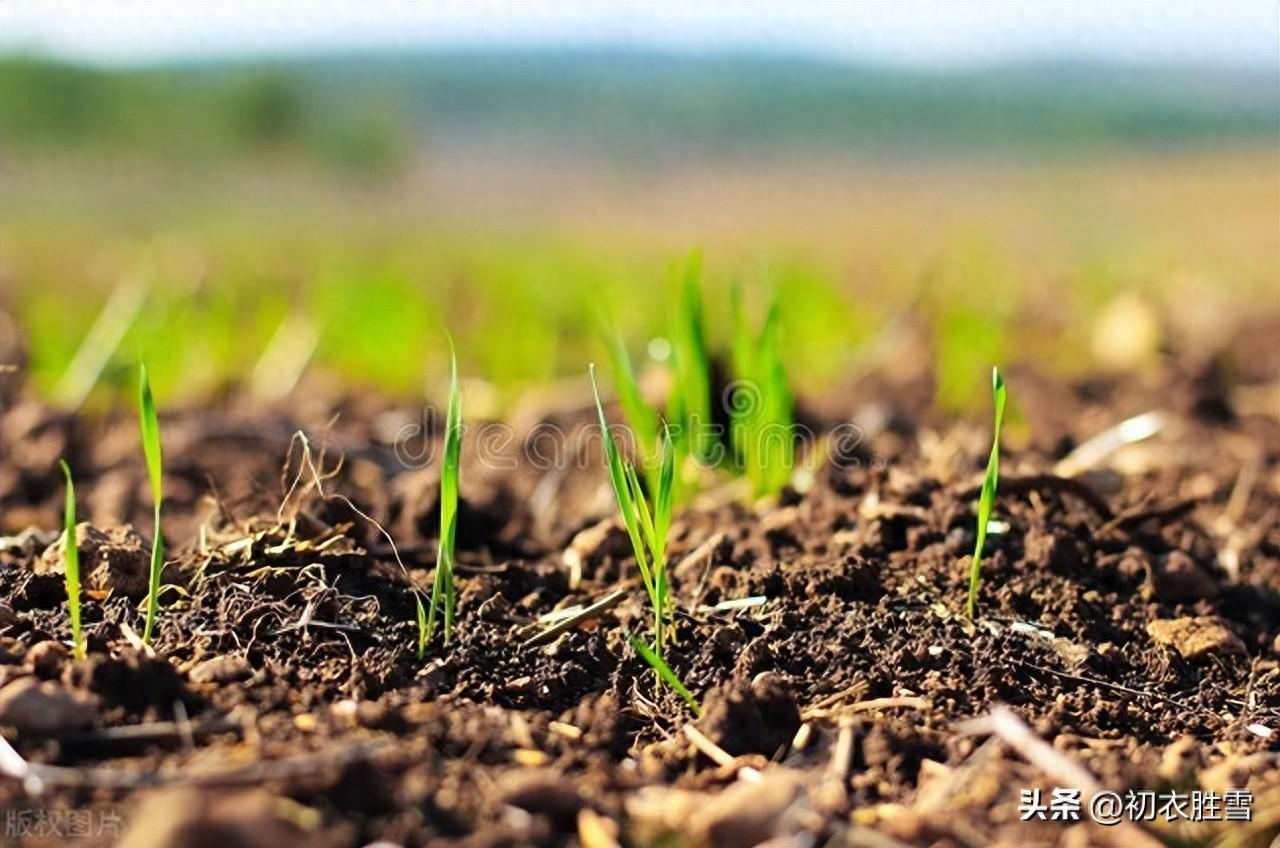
pixel 238 220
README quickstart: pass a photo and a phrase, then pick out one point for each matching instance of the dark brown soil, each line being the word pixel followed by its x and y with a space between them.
pixel 1130 614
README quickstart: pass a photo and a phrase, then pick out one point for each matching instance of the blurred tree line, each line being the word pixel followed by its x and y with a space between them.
pixel 366 112
pixel 194 114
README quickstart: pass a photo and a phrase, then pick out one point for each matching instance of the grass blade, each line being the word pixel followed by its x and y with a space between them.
pixel 71 559
pixel 777 444
pixel 664 497
pixel 988 495
pixel 618 479
pixel 150 425
pixel 642 420
pixel 443 593
pixel 422 624
pixel 690 405
pixel 762 408
pixel 638 517
pixel 664 672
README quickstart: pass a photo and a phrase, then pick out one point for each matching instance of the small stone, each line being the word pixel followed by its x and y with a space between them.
pixel 46 658
pixel 224 669
pixel 1195 637
pixel 32 706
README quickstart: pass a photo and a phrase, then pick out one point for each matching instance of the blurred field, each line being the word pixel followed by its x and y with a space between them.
pixel 512 241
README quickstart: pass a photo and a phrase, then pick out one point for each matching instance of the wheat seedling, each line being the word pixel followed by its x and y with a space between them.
pixel 689 405
pixel 988 494
pixel 761 424
pixel 443 598
pixel 71 559
pixel 646 522
pixel 664 672
pixel 151 448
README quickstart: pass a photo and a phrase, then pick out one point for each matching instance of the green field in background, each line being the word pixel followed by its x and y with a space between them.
pixel 497 206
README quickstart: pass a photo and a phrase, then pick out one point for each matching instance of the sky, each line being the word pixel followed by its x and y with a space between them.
pixel 940 33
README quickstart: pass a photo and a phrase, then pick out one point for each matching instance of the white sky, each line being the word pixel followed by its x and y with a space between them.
pixel 935 33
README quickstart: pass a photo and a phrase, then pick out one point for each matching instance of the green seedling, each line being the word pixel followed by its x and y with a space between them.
pixel 689 404
pixel 643 421
pixel 151 448
pixel 664 672
pixel 646 520
pixel 761 410
pixel 987 498
pixel 71 559
pixel 443 598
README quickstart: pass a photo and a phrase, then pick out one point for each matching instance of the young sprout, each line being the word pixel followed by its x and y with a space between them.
pixel 642 420
pixel 988 495
pixel 689 404
pixel 151 448
pixel 646 522
pixel 443 599
pixel 761 409
pixel 664 672
pixel 71 558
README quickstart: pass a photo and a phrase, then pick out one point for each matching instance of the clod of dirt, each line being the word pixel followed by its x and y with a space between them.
pixel 249 819
pixel 541 791
pixel 11 652
pixel 590 547
pixel 137 682
pixel 118 560
pixel 1195 637
pixel 46 658
pixel 756 718
pixel 27 543
pixel 1054 548
pixel 780 526
pixel 747 813
pixel 224 669
pixel 33 706
pixel 1179 761
pixel 1178 578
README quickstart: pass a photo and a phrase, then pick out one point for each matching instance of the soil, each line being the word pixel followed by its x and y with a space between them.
pixel 1129 615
